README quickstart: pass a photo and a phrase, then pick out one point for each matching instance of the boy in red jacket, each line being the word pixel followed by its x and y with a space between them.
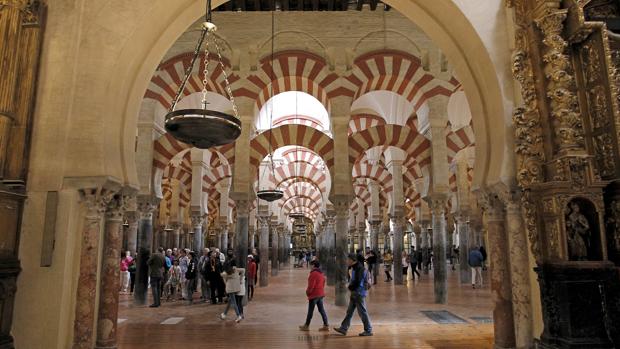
pixel 315 293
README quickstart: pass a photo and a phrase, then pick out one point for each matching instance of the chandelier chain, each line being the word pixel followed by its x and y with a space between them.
pixel 228 89
pixel 205 72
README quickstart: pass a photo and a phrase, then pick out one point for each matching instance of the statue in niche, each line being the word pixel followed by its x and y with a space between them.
pixel 614 218
pixel 578 232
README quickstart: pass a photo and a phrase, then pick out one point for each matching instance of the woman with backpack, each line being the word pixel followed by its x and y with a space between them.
pixel 315 293
pixel 232 278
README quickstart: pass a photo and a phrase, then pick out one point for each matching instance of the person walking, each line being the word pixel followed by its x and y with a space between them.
pixel 174 278
pixel 315 293
pixel 251 279
pixel 232 278
pixel 388 259
pixel 191 276
pixel 126 261
pixel 239 296
pixel 214 270
pixel 404 261
pixel 475 263
pixel 183 262
pixel 156 272
pixel 256 258
pixel 203 261
pixel 132 275
pixel 358 285
pixel 413 260
pixel 483 252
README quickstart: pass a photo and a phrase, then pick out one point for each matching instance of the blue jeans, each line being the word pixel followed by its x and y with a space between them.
pixel 155 289
pixel 319 303
pixel 357 302
pixel 232 301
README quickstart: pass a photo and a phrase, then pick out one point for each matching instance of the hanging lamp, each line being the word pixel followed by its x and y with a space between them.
pixel 201 127
pixel 271 195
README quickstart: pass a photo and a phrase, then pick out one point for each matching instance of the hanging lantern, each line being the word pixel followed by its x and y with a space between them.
pixel 271 195
pixel 201 127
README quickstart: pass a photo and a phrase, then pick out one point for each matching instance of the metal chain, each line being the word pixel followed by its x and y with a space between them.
pixel 205 78
pixel 228 89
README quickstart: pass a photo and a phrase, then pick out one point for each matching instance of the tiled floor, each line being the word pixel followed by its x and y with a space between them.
pixel 276 311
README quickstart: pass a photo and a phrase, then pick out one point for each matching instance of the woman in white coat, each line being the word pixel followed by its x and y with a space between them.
pixel 232 278
pixel 239 296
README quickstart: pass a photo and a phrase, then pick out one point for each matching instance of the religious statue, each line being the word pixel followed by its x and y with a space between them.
pixel 614 218
pixel 578 233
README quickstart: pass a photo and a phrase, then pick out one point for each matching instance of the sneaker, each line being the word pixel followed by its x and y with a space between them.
pixel 365 334
pixel 324 328
pixel 238 319
pixel 340 330
pixel 153 306
pixel 223 316
pixel 473 286
pixel 304 328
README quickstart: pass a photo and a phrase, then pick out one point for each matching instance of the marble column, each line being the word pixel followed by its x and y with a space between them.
pixel 503 320
pixel 110 275
pixel 263 222
pixel 252 237
pixel 440 274
pixel 375 228
pixel 398 224
pixel 241 231
pixel 330 248
pixel 341 206
pixel 146 206
pixel 519 274
pixel 132 232
pixel 176 235
pixel 274 249
pixel 96 201
pixel 197 221
pixel 361 236
pixel 281 249
pixel 462 226
pixel 224 237
pixel 287 250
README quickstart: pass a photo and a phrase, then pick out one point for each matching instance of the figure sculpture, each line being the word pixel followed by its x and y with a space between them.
pixel 578 232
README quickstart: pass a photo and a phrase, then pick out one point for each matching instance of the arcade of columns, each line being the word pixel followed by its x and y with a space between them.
pixel 564 185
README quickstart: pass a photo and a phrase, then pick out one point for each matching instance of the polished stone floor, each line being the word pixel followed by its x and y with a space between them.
pixel 272 319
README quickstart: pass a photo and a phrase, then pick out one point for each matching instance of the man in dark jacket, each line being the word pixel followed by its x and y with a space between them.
pixel 358 297
pixel 475 263
pixel 156 265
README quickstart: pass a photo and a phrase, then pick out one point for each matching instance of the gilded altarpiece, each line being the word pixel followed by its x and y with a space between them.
pixel 567 163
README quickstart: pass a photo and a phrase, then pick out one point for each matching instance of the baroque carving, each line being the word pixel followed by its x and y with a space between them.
pixel 566 120
pixel 614 221
pixel 528 131
pixel 578 233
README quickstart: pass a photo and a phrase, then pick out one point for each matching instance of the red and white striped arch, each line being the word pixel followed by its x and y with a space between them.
pixel 167 78
pixel 396 71
pixel 294 154
pixel 459 140
pixel 299 120
pixel 284 135
pixel 166 147
pixel 363 169
pixel 292 70
pixel 301 170
pixel 360 122
pixel 416 146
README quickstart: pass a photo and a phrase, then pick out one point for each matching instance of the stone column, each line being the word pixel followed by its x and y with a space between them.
pixel 274 249
pixel 500 272
pixel 241 230
pixel 281 248
pixel 398 223
pixel 519 274
pixel 330 247
pixel 252 237
pixel 462 226
pixel 375 228
pixel 440 275
pixel 263 222
pixel 176 235
pixel 132 232
pixel 361 235
pixel 197 221
pixel 341 206
pixel 287 250
pixel 96 201
pixel 110 275
pixel 146 206
pixel 224 237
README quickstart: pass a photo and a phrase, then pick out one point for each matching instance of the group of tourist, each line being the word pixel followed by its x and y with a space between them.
pixel 177 274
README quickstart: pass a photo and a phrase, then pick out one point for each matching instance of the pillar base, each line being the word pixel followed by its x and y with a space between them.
pixel 580 304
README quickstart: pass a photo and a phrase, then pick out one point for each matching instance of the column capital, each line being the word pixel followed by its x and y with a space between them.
pixel 197 219
pixel 147 204
pixel 491 205
pixel 437 203
pixel 116 207
pixel 263 221
pixel 96 201
pixel 341 206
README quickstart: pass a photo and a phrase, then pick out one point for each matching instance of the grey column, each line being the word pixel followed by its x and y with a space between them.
pixel 440 275
pixel 241 232
pixel 252 237
pixel 341 206
pixel 132 232
pixel 375 228
pixel 197 226
pixel 398 225
pixel 264 251
pixel 361 231
pixel 146 206
pixel 176 240
pixel 224 236
pixel 274 250
pixel 330 248
pixel 462 226
pixel 281 249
